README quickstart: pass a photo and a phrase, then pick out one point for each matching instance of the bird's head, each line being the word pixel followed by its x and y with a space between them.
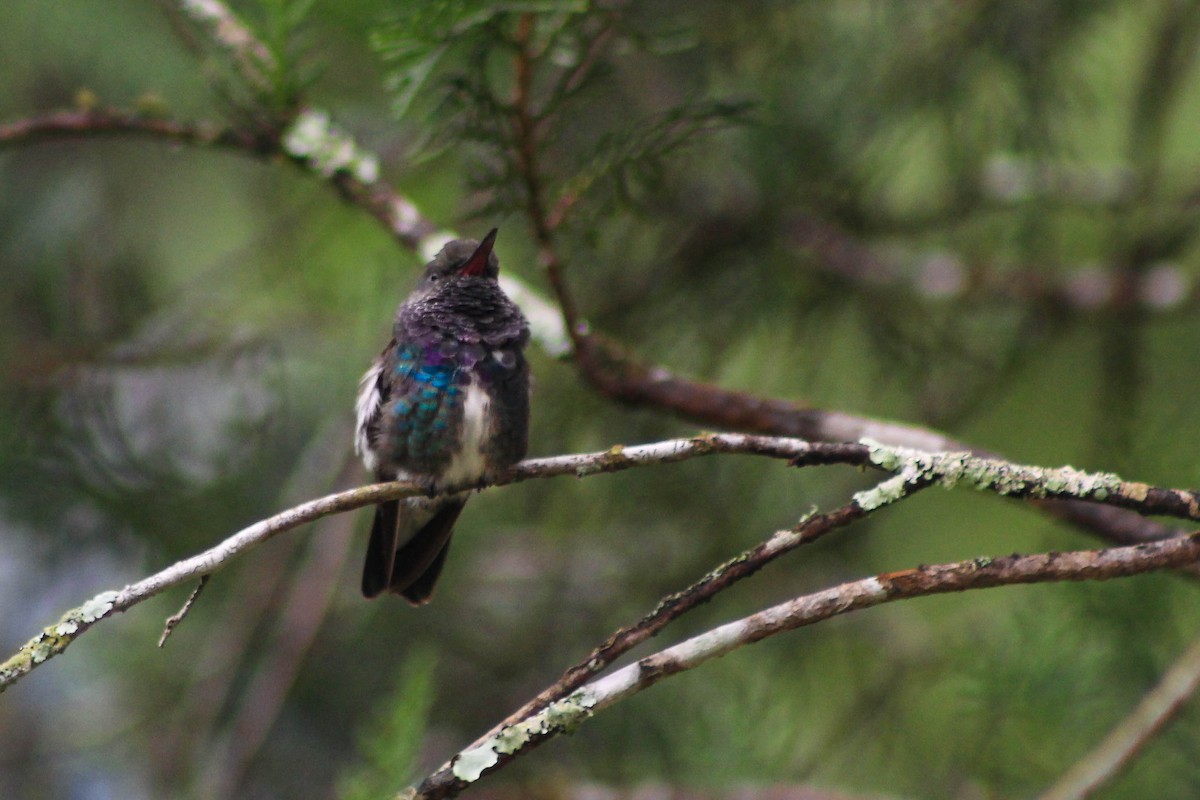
pixel 462 259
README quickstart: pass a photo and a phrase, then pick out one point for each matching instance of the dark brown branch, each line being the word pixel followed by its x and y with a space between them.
pixel 621 377
pixel 395 211
pixel 58 125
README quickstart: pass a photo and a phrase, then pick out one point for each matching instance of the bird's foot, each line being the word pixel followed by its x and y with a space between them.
pixel 489 478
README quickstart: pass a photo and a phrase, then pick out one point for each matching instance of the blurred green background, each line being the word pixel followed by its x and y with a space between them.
pixel 978 216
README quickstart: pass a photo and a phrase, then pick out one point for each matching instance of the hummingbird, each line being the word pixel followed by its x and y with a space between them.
pixel 446 404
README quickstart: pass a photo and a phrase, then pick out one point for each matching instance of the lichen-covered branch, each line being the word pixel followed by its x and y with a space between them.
pixel 1007 479
pixel 913 469
pixel 565 715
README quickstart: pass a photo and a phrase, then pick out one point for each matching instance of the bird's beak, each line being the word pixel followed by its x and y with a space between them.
pixel 477 264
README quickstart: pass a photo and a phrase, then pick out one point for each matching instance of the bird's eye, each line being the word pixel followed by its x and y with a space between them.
pixel 434 277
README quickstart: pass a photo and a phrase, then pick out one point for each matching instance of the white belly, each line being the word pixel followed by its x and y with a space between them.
pixel 468 464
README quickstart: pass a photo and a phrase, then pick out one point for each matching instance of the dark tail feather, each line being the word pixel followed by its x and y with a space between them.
pixel 421 590
pixel 381 550
pixel 419 561
pixel 404 562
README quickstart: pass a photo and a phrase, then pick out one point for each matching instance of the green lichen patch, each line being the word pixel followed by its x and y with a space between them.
pixel 97 607
pixel 953 468
pixel 472 763
pixel 884 494
pixel 55 638
pixel 562 716
pixel 1013 479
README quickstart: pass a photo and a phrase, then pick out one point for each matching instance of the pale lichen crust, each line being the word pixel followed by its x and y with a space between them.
pixel 562 716
pixel 953 468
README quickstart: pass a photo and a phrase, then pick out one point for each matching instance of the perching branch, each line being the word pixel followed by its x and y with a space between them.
pixel 912 469
pixel 565 715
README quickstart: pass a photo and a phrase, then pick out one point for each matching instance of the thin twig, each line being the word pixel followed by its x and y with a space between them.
pixel 526 132
pixel 182 613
